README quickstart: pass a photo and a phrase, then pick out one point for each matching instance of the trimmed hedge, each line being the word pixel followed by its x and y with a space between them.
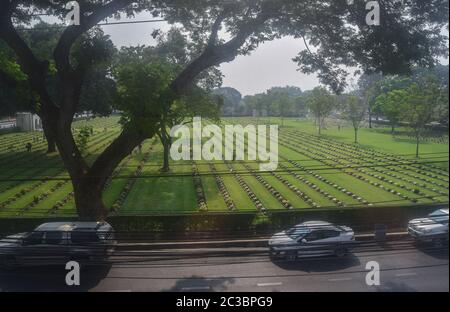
pixel 228 224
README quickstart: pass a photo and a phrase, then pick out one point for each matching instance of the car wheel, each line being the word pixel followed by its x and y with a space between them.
pixel 291 256
pixel 340 252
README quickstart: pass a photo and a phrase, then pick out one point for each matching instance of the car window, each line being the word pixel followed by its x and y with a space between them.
pixel 438 214
pixel 53 237
pixel 34 238
pixel 297 232
pixel 439 217
pixel 84 237
pixel 330 233
pixel 314 235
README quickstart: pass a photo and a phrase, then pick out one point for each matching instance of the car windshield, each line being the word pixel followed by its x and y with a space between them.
pixel 439 216
pixel 34 238
pixel 297 232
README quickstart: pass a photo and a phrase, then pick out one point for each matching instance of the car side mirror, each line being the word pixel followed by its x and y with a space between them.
pixel 303 241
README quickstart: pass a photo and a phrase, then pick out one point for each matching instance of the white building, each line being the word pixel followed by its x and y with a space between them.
pixel 27 121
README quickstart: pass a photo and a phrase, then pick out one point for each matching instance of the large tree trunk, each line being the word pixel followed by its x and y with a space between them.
pixel 88 199
pixel 166 142
pixel 51 142
pixel 166 166
pixel 356 135
pixel 370 118
pixel 320 124
pixel 417 145
pixel 89 185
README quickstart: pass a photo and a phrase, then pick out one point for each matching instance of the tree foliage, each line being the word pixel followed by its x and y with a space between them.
pixel 355 112
pixel 321 103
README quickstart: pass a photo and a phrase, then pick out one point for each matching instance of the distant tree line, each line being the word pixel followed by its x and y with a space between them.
pixel 286 101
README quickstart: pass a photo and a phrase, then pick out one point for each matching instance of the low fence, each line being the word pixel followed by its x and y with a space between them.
pixel 441 128
pixel 8 127
pixel 235 225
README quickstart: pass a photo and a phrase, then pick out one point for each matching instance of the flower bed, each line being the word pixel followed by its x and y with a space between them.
pixel 342 166
pixel 297 191
pixel 258 204
pixel 35 186
pixel 199 191
pixel 223 189
pixel 331 151
pixel 130 182
pixel 326 181
pixel 281 199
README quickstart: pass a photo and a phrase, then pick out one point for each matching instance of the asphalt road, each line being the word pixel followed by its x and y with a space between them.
pixel 404 267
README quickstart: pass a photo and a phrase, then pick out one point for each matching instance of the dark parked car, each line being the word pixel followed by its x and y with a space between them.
pixel 57 243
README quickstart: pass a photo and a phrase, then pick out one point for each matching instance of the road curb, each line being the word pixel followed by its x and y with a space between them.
pixel 258 242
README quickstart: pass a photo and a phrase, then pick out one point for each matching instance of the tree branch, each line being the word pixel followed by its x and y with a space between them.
pixel 34 68
pixel 72 79
pixel 108 160
pixel 215 28
pixel 72 33
pixel 306 45
pixel 214 55
pixel 7 79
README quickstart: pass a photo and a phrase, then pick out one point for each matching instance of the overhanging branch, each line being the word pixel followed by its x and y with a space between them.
pixel 7 79
pixel 72 79
pixel 215 29
pixel 34 68
pixel 215 54
pixel 72 33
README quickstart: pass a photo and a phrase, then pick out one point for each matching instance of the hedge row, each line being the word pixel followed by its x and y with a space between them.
pixel 190 226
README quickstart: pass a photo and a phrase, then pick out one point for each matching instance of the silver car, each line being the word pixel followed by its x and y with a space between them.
pixel 433 228
pixel 312 239
pixel 56 243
